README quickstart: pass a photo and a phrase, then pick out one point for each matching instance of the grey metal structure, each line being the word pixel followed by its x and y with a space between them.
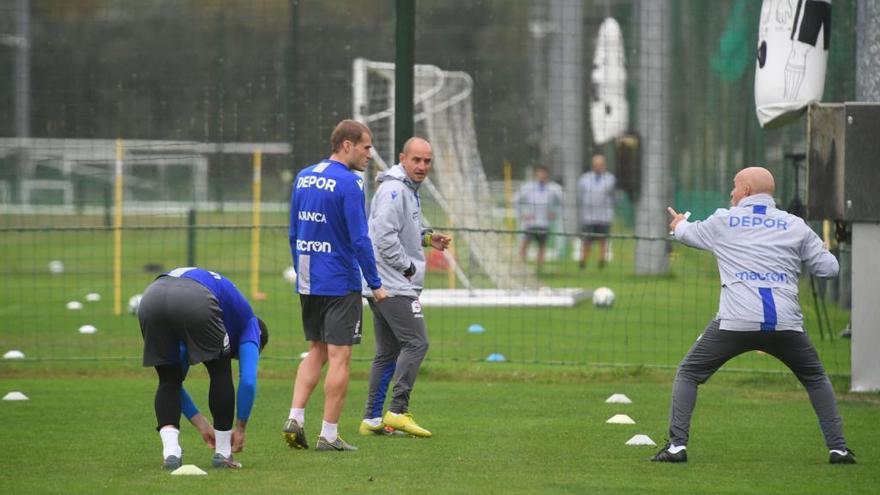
pixel 843 176
pixel 866 235
pixel 843 167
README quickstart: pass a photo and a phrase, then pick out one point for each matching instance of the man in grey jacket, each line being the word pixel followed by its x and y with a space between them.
pixel 401 336
pixel 759 250
pixel 596 194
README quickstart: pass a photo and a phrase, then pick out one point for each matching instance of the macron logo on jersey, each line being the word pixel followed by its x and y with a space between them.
pixel 317 182
pixel 313 246
pixel 312 216
pixel 771 276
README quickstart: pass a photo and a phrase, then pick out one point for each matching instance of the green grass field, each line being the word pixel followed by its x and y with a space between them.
pixel 532 425
pixel 498 429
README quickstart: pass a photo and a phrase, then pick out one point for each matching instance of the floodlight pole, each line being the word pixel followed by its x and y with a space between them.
pixel 404 68
pixel 22 72
pixel 654 68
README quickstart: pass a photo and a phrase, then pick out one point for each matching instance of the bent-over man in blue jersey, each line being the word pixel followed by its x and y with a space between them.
pixel 331 247
pixel 189 316
pixel 759 250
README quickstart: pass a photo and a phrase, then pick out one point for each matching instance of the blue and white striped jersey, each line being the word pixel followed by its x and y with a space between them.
pixel 329 238
pixel 759 250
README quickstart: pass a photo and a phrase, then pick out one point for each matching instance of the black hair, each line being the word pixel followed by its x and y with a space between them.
pixel 264 334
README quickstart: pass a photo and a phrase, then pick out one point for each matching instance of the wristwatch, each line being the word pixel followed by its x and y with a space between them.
pixel 426 237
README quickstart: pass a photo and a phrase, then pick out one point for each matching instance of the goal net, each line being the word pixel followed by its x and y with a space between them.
pixel 443 114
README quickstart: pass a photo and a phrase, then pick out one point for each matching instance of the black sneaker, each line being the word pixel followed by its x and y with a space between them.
pixel 294 434
pixel 836 457
pixel 666 456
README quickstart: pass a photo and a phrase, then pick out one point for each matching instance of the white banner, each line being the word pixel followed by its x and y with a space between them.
pixel 793 41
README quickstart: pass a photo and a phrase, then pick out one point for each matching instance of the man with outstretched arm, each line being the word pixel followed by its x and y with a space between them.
pixel 759 250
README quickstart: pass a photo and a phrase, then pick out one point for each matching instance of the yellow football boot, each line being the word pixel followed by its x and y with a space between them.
pixel 404 422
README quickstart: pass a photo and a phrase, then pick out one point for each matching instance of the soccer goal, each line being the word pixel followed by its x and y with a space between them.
pixel 70 175
pixel 443 114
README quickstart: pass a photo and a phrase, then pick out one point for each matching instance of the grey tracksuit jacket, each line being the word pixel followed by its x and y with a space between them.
pixel 396 230
pixel 596 197
pixel 538 205
pixel 759 250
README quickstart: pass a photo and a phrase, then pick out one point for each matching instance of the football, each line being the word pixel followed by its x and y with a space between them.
pixel 603 297
pixel 289 275
pixel 133 303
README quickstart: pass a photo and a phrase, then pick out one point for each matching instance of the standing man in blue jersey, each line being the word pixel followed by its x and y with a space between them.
pixel 331 248
pixel 189 316
pixel 398 243
pixel 759 250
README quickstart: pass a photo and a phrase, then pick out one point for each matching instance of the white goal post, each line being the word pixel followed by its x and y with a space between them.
pixel 443 114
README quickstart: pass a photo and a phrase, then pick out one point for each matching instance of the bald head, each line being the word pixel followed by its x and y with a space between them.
pixel 416 142
pixel 750 181
pixel 598 163
pixel 417 158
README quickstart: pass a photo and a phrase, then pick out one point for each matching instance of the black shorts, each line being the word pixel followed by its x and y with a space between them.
pixel 537 234
pixel 174 310
pixel 597 229
pixel 334 320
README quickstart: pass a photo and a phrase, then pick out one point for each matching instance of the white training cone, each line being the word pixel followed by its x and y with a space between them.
pixel 188 469
pixel 87 329
pixel 74 305
pixel 13 354
pixel 15 396
pixel 621 419
pixel 640 440
pixel 618 399
pixel 93 297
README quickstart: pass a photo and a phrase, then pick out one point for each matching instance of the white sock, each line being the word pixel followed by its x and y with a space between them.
pixel 328 431
pixel 674 449
pixel 170 444
pixel 224 442
pixel 374 422
pixel 298 414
